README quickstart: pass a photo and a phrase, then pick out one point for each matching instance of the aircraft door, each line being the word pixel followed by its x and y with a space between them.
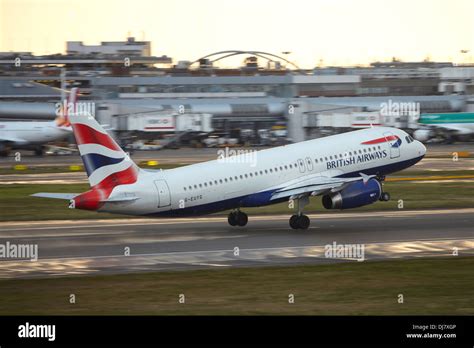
pixel 394 144
pixel 164 196
pixel 301 165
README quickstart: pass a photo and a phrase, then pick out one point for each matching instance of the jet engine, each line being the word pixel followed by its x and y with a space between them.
pixel 355 195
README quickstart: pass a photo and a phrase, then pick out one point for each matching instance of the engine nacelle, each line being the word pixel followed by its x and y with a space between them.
pixel 423 134
pixel 355 195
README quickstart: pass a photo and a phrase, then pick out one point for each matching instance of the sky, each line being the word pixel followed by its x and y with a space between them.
pixel 316 32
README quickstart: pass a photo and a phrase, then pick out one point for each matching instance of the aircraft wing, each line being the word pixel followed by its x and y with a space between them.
pixel 315 185
pixel 458 129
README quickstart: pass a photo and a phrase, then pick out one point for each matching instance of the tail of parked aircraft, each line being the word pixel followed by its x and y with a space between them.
pixel 62 120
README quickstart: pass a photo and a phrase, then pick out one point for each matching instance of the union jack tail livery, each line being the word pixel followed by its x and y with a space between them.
pixel 106 164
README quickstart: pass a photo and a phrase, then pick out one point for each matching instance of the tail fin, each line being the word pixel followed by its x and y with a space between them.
pixel 106 164
pixel 63 118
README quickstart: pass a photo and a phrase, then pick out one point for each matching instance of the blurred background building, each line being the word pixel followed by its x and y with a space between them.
pixel 267 100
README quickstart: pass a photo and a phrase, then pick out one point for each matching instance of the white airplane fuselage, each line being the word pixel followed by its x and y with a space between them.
pixel 20 134
pixel 250 180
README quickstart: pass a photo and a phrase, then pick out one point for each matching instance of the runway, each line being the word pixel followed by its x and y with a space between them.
pixel 99 246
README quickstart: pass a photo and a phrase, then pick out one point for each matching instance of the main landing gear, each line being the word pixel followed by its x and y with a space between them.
pixel 237 218
pixel 300 221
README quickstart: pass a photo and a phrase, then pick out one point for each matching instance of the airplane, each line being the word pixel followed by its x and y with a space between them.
pixel 33 135
pixel 347 170
pixel 450 126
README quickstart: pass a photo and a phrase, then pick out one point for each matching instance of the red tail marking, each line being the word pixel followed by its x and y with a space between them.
pixel 91 200
pixel 87 135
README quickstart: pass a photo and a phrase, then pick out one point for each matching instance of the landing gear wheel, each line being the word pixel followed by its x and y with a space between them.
pixel 385 197
pixel 294 222
pixel 299 222
pixel 39 151
pixel 237 218
pixel 232 219
pixel 303 222
pixel 242 219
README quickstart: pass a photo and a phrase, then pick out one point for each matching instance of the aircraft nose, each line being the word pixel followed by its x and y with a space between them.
pixel 421 148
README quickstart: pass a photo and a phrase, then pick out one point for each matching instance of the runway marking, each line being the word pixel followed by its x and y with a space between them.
pixel 429 178
pixel 167 221
pixel 461 244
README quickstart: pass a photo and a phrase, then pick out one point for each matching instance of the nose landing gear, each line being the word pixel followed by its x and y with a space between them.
pixel 384 197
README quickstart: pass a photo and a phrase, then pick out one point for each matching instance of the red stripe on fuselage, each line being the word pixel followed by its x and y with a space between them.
pixel 380 140
pixel 91 200
pixel 87 135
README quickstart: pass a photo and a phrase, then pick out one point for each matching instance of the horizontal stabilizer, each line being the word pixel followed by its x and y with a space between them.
pixel 67 196
pixel 119 199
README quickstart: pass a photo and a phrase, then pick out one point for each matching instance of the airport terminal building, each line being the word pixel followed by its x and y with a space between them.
pixel 134 91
